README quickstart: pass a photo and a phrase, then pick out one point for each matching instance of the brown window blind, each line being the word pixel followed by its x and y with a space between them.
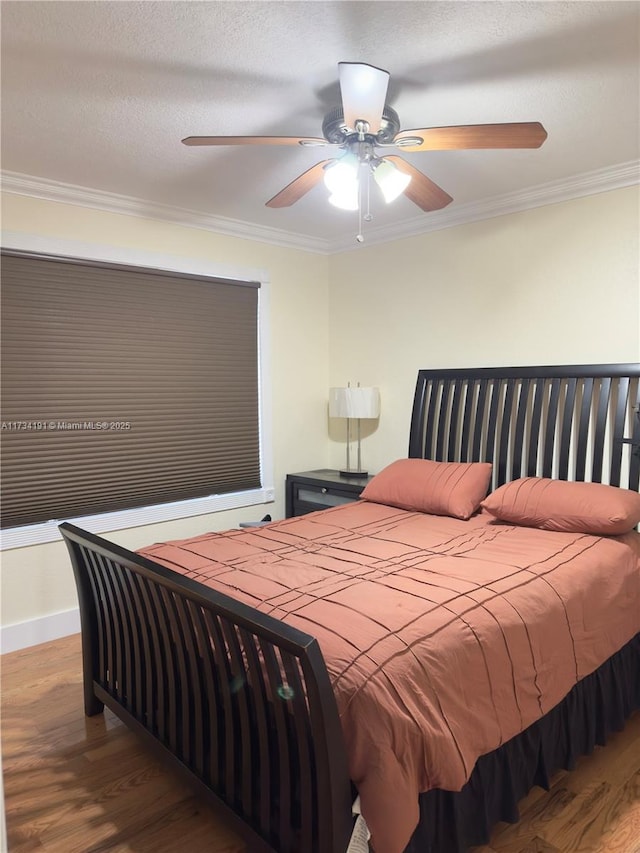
pixel 123 387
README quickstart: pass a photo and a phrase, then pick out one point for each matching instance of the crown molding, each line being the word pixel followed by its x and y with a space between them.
pixel 27 185
pixel 553 192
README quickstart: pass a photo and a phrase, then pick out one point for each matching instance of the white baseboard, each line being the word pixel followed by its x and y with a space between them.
pixel 41 630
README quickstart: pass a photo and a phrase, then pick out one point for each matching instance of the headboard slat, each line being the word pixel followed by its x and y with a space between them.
pixel 504 449
pixel 454 425
pixel 539 389
pixel 467 420
pixel 583 428
pixel 618 430
pixel 444 412
pixel 568 412
pixel 604 398
pixel 479 420
pixel 431 418
pixel 521 422
pixel 494 406
pixel 634 445
pixel 550 431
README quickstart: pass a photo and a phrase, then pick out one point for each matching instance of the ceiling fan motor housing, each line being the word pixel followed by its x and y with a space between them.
pixel 335 131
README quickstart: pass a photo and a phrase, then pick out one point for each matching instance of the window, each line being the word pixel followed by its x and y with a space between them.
pixel 125 386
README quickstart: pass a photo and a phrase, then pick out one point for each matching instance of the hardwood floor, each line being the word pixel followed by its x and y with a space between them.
pixel 86 785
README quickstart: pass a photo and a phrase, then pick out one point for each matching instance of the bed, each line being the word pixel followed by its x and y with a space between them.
pixel 268 665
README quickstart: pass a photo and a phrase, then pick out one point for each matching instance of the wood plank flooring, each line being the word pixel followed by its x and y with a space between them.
pixel 86 785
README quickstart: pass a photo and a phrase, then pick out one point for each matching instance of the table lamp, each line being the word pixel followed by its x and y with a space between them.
pixel 354 403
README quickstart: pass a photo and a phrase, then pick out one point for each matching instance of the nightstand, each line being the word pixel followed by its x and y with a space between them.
pixel 310 491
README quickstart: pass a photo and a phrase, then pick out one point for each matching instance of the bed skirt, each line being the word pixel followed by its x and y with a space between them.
pixel 450 822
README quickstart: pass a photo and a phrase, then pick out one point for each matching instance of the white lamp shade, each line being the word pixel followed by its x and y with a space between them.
pixel 354 402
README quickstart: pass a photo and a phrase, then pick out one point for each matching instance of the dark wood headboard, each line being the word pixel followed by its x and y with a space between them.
pixel 577 422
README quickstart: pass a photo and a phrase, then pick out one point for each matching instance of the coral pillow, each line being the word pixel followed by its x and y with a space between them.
pixel 439 488
pixel 565 506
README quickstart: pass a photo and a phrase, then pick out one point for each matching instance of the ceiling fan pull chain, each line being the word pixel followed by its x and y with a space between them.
pixel 368 215
pixel 359 235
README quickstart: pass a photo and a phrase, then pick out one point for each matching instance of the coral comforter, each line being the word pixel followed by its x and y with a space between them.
pixel 443 638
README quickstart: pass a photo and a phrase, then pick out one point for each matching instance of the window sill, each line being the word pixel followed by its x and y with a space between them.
pixel 38 534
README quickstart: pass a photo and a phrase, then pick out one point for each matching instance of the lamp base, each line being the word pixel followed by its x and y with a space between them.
pixel 354 474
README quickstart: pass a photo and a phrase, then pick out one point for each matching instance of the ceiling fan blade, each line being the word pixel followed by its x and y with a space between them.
pixel 527 134
pixel 255 140
pixel 364 90
pixel 299 186
pixel 422 190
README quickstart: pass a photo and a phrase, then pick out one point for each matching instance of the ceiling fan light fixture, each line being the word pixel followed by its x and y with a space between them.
pixel 345 200
pixel 390 179
pixel 341 179
pixel 342 174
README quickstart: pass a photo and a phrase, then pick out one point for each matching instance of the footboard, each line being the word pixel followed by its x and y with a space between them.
pixel 237 701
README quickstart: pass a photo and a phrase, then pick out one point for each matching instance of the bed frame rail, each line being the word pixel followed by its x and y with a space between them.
pixel 240 703
pixel 572 423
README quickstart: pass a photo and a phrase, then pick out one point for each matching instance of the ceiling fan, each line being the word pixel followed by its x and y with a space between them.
pixel 365 123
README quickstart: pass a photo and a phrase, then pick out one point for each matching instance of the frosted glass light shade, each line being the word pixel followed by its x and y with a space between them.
pixel 391 180
pixel 345 200
pixel 342 174
pixel 354 402
pixel 341 179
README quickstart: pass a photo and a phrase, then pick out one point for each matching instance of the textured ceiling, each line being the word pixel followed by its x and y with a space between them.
pixel 99 94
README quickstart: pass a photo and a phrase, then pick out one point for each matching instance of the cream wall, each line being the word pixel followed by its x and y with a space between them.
pixel 556 285
pixel 37 580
